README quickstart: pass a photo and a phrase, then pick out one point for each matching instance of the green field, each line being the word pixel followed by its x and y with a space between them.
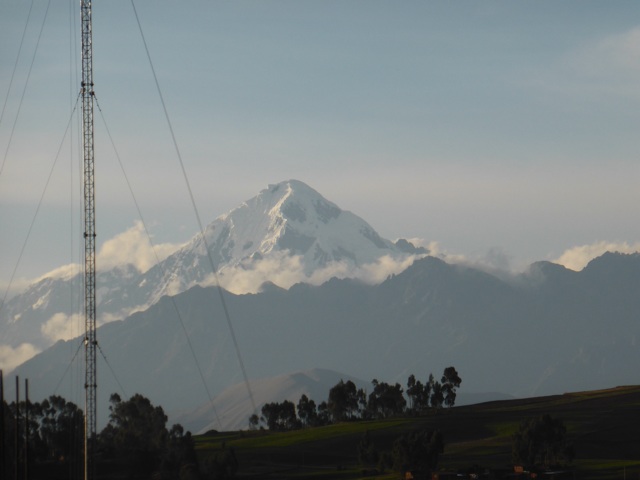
pixel 602 425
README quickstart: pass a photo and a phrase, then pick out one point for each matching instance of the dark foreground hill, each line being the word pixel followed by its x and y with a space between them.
pixel 602 425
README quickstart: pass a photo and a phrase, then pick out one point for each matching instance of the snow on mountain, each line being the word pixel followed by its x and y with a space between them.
pixel 286 234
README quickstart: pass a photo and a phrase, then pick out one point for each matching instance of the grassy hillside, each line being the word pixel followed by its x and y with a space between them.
pixel 603 426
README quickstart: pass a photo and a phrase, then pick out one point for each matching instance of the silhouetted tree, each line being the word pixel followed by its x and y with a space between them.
pixel 61 427
pixel 254 421
pixel 412 391
pixel 343 401
pixel 450 382
pixel 179 452
pixel 307 412
pixel 280 416
pixel 221 465
pixel 437 396
pixel 137 435
pixel 418 450
pixel 541 441
pixel 324 416
pixel 361 395
pixel 386 400
pixel 368 456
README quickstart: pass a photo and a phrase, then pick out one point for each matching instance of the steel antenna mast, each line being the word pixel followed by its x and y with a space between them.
pixel 90 342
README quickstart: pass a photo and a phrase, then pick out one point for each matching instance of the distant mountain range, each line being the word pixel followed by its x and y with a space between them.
pixel 548 330
pixel 286 234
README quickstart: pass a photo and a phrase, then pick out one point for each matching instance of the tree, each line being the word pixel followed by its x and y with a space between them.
pixel 254 421
pixel 180 451
pixel 419 394
pixel 450 382
pixel 386 400
pixel 221 465
pixel 138 425
pixel 137 435
pixel 280 416
pixel 361 396
pixel 324 416
pixel 61 427
pixel 368 456
pixel 343 401
pixel 437 396
pixel 307 412
pixel 541 441
pixel 426 392
pixel 419 450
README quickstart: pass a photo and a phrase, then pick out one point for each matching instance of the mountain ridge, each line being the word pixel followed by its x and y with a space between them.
pixel 285 234
pixel 519 337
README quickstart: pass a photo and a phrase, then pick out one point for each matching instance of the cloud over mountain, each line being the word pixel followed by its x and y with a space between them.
pixel 286 234
pixel 133 247
pixel 576 258
pixel 11 357
pixel 547 330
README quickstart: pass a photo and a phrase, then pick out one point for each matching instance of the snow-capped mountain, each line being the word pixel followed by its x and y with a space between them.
pixel 286 226
pixel 286 234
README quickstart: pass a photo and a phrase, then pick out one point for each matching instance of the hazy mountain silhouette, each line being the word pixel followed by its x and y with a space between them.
pixel 548 330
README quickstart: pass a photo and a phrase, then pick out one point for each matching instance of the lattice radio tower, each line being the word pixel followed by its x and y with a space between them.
pixel 90 342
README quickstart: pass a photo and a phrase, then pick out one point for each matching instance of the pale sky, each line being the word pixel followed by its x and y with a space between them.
pixel 501 130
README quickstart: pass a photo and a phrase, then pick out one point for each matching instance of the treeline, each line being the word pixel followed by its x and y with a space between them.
pixel 46 440
pixel 346 402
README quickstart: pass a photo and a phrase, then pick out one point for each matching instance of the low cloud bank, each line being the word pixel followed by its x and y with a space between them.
pixel 11 357
pixel 285 271
pixel 576 258
pixel 63 327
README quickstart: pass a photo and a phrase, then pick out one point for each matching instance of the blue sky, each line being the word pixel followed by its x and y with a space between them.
pixel 501 130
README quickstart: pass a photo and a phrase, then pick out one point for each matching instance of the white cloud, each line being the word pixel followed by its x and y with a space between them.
pixel 11 357
pixel 383 267
pixel 285 271
pixel 17 286
pixel 576 258
pixel 620 52
pixel 279 268
pixel 132 247
pixel 65 272
pixel 63 327
pixel 611 64
pixel 607 65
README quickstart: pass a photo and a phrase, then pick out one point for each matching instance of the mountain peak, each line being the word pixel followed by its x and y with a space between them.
pixel 292 219
pixel 296 201
pixel 286 234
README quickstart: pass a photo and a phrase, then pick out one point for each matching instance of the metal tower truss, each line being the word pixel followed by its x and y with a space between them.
pixel 90 342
